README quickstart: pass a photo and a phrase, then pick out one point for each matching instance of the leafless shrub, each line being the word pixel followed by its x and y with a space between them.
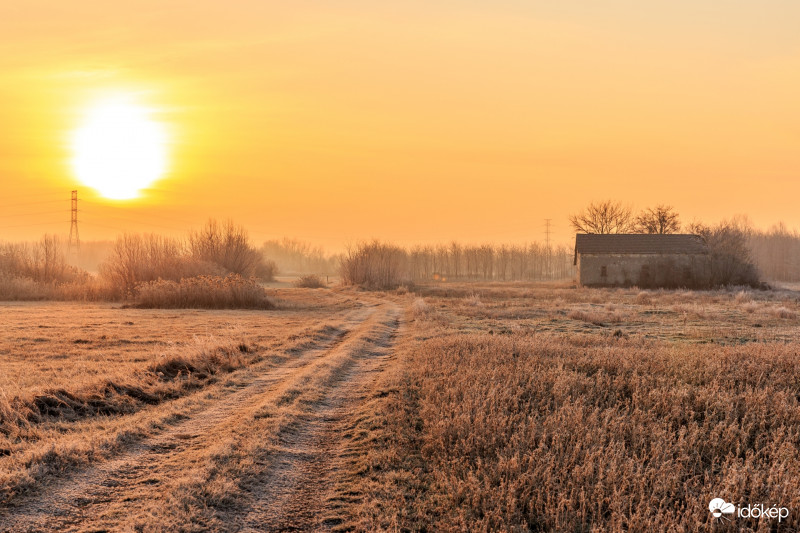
pixel 228 246
pixel 137 259
pixel 374 265
pixel 42 262
pixel 13 260
pixel 310 281
pixel 266 270
pixel 39 271
pixel 731 260
pixel 215 250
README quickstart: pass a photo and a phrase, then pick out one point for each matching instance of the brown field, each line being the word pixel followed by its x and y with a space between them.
pixel 448 407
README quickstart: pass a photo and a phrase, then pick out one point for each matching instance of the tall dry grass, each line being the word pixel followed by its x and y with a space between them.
pixel 209 292
pixel 583 430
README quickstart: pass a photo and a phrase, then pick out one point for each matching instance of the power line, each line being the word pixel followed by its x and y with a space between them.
pixel 40 194
pixel 34 224
pixel 102 226
pixel 149 214
pixel 140 212
pixel 33 203
pixel 123 219
pixel 61 211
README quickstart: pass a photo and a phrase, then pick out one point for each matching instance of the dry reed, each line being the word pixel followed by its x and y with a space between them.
pixel 208 292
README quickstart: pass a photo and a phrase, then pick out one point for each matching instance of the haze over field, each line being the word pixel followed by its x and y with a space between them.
pixel 399 266
pixel 413 122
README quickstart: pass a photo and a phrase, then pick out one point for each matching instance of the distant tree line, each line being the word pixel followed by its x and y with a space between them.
pixel 740 255
pixel 488 262
pixel 381 265
pixel 776 252
pixel 292 256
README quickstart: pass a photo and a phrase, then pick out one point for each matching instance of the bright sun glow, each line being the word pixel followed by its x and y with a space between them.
pixel 118 149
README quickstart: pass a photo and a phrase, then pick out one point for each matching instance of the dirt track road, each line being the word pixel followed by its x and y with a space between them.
pixel 266 456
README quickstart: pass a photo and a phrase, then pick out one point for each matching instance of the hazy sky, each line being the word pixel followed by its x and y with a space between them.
pixel 410 121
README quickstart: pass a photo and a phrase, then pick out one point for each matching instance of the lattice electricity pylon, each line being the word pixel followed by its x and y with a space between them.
pixel 74 238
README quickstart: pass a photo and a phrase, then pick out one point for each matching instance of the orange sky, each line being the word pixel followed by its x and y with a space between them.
pixel 413 122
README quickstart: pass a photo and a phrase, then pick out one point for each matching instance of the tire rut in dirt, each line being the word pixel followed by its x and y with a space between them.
pixel 109 494
pixel 302 488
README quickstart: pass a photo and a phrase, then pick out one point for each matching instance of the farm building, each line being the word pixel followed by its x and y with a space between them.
pixel 624 260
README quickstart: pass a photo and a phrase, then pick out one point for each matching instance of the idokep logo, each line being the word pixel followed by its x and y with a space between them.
pixel 722 510
pixel 719 508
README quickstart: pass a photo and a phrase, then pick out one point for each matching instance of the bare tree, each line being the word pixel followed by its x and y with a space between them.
pixel 731 258
pixel 603 217
pixel 136 259
pixel 695 227
pixel 661 219
pixel 228 246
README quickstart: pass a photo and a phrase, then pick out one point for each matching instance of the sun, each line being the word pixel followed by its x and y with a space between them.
pixel 119 149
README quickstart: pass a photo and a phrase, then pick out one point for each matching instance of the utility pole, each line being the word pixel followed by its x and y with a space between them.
pixel 74 240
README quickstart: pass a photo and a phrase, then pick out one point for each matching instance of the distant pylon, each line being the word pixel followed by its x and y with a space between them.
pixel 548 262
pixel 547 232
pixel 74 238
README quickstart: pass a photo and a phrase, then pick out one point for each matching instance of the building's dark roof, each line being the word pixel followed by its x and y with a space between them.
pixel 636 243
